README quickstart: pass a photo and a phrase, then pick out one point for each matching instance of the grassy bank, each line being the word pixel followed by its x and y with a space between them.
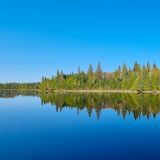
pixel 102 91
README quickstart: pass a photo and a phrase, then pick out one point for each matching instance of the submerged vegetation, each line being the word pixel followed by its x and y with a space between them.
pixel 145 78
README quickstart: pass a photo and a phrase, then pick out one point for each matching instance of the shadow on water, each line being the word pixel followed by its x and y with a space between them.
pixel 139 105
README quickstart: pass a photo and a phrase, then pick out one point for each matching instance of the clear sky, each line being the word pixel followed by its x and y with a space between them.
pixel 37 37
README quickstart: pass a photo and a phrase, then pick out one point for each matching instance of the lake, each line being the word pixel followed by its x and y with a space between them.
pixel 79 126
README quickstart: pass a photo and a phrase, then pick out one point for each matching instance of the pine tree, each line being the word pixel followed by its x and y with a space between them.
pixel 154 76
pixel 136 67
pixel 119 70
pixel 58 73
pixel 99 70
pixel 79 70
pixel 62 75
pixel 148 67
pixel 154 66
pixel 124 70
pixel 90 69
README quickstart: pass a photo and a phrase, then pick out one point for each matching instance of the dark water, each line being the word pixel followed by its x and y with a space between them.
pixel 79 126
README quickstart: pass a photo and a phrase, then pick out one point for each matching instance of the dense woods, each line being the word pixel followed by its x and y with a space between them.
pixel 142 78
pixel 19 86
pixel 138 78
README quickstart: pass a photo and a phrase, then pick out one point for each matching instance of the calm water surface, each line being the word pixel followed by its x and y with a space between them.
pixel 79 126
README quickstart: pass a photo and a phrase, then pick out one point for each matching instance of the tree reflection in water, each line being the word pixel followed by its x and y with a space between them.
pixel 139 105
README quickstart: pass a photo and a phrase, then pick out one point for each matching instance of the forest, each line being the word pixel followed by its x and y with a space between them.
pixel 19 86
pixel 137 78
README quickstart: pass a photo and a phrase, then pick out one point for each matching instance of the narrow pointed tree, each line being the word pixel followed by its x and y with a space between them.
pixel 148 67
pixel 154 76
pixel 124 70
pixel 90 69
pixel 119 70
pixel 79 70
pixel 154 66
pixel 99 70
pixel 136 67
pixel 62 75
pixel 58 73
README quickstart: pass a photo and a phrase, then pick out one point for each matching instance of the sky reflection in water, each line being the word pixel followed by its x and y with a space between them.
pixel 124 128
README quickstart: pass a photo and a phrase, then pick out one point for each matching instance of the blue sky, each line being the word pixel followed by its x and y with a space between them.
pixel 38 37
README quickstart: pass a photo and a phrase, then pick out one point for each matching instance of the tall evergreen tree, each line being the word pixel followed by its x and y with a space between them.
pixel 136 67
pixel 124 70
pixel 99 70
pixel 148 67
pixel 154 66
pixel 79 70
pixel 90 69
pixel 119 70
pixel 62 74
pixel 58 73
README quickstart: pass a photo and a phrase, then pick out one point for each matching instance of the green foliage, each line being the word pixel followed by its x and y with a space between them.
pixel 90 69
pixel 20 86
pixel 139 78
pixel 146 78
pixel 99 71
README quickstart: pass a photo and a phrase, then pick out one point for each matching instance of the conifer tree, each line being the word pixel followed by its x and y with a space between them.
pixel 124 70
pixel 58 73
pixel 62 75
pixel 136 67
pixel 90 69
pixel 148 67
pixel 79 70
pixel 99 70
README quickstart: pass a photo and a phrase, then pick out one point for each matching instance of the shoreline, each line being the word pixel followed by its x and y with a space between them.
pixel 86 91
pixel 104 91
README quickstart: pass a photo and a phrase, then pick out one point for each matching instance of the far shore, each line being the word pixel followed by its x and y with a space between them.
pixel 103 91
pixel 89 91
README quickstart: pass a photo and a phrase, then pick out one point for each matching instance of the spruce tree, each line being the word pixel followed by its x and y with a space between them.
pixel 148 67
pixel 90 69
pixel 99 70
pixel 58 73
pixel 124 70
pixel 136 67
pixel 62 75
pixel 79 70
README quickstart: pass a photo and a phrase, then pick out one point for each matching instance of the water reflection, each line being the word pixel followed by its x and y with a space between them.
pixel 139 105
pixel 15 93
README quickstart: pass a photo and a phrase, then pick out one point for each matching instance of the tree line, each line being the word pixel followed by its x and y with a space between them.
pixel 19 86
pixel 142 78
